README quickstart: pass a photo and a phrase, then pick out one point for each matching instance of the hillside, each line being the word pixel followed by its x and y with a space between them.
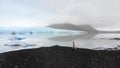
pixel 60 57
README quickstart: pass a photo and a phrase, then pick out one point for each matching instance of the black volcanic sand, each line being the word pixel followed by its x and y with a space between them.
pixel 60 57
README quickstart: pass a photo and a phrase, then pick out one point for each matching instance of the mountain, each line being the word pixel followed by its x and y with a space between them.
pixel 87 28
pixel 67 26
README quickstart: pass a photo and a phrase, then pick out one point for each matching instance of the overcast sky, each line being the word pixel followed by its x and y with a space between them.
pixel 28 13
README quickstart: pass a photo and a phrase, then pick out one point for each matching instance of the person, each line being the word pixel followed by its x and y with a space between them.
pixel 73 45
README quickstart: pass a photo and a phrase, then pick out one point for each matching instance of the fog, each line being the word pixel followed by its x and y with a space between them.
pixel 101 14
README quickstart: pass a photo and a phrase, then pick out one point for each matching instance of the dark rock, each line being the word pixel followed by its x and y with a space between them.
pixel 60 57
pixel 115 39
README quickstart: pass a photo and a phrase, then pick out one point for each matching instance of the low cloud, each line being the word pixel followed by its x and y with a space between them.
pixel 98 13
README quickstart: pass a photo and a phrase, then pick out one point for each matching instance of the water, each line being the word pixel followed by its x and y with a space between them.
pixel 46 37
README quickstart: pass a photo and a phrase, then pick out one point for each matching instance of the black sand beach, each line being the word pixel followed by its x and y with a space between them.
pixel 60 57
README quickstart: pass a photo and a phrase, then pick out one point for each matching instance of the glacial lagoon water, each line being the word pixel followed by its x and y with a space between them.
pixel 46 37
